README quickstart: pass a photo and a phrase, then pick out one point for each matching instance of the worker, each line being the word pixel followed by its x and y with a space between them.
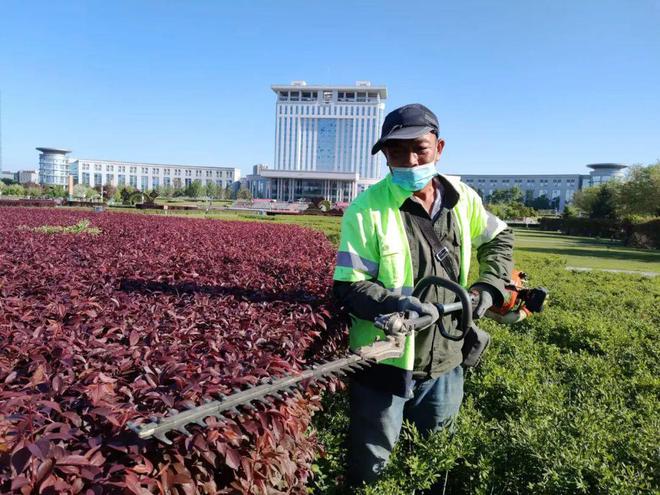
pixel 413 223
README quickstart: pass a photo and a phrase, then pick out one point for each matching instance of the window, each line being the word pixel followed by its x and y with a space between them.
pixel 188 172
pixel 97 167
pixel 85 178
pixel 167 181
pixel 177 171
pixel 109 168
pixel 121 180
pixel 145 170
pixel 132 170
pixel 132 180
pixel 85 166
pixel 155 171
pixel 98 179
pixel 155 182
pixel 121 168
pixel 327 96
pixel 166 171
pixel 144 183
pixel 109 179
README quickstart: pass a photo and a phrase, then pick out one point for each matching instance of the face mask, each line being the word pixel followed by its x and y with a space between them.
pixel 413 178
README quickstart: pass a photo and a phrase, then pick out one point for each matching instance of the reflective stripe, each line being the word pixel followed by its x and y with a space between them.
pixel 352 260
pixel 402 291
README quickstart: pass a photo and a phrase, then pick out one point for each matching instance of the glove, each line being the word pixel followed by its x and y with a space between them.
pixel 414 305
pixel 483 300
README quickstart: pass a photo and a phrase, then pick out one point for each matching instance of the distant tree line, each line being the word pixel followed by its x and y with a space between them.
pixel 196 189
pixel 639 195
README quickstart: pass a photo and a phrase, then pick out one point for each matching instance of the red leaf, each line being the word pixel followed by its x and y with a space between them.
pixel 232 458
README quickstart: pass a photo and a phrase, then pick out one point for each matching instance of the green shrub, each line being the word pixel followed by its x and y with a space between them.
pixel 565 402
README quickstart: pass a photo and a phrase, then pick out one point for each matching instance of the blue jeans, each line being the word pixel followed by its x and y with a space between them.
pixel 376 418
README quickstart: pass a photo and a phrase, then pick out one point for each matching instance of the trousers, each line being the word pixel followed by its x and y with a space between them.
pixel 376 418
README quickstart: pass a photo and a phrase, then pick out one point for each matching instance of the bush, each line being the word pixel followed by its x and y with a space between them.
pixel 154 313
pixel 565 402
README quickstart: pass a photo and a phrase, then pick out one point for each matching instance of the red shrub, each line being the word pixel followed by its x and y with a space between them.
pixel 155 313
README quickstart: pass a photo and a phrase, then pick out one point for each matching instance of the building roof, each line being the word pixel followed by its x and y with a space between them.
pixel 54 150
pixel 606 166
pixel 303 86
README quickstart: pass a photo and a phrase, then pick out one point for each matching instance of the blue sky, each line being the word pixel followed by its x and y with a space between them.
pixel 518 86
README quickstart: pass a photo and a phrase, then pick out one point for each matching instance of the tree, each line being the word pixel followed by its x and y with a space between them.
pixel 55 192
pixel 640 194
pixel 513 195
pixel 605 203
pixel 14 190
pixel 244 193
pixel 81 191
pixel 33 190
pixel 194 190
pixel 541 203
pixel 229 194
pixel 108 191
pixel 212 190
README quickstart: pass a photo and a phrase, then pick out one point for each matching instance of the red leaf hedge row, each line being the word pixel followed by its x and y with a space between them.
pixel 156 313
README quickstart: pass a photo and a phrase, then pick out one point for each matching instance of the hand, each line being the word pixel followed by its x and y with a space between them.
pixel 483 300
pixel 413 304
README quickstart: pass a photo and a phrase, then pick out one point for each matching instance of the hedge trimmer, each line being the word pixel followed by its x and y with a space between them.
pixel 396 327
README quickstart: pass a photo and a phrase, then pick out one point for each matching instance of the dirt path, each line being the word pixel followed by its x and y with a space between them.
pixel 611 270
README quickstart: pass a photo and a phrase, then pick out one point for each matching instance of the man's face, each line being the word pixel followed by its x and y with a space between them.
pixel 412 152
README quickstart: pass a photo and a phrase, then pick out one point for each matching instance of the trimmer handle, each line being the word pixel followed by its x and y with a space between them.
pixel 464 304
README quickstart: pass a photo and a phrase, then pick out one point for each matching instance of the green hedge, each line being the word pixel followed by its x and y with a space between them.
pixel 565 402
pixel 633 231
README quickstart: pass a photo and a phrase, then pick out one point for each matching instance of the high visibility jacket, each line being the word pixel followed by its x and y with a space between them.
pixel 374 246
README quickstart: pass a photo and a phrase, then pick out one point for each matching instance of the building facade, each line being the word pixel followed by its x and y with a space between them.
pixel 142 176
pixel 558 188
pixel 27 176
pixel 323 140
pixel 53 166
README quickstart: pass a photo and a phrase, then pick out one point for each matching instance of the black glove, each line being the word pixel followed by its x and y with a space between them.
pixel 413 304
pixel 483 300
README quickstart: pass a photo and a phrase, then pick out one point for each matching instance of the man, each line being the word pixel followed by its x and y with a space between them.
pixel 385 249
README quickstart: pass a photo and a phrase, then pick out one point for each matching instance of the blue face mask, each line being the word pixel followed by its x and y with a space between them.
pixel 413 178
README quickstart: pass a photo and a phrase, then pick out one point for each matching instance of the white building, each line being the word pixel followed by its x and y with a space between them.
pixel 559 188
pixel 53 166
pixel 323 140
pixel 143 176
pixel 28 176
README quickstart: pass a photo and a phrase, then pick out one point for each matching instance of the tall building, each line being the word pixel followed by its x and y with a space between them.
pixel 55 167
pixel 323 140
pixel 558 188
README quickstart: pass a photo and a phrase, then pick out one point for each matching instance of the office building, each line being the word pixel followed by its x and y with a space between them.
pixel 323 139
pixel 142 176
pixel 558 188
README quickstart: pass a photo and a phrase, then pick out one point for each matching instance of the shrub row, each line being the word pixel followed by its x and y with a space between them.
pixel 150 314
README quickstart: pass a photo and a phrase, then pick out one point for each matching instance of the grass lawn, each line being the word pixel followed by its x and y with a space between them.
pixel 587 252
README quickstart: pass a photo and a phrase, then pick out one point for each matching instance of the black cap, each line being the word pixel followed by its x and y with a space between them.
pixel 407 122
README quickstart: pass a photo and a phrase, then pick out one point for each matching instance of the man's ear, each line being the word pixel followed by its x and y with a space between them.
pixel 440 146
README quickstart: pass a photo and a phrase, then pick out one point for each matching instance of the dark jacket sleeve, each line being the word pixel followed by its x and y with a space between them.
pixel 496 264
pixel 366 299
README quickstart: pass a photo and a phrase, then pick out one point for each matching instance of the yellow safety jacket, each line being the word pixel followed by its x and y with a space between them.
pixel 374 246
